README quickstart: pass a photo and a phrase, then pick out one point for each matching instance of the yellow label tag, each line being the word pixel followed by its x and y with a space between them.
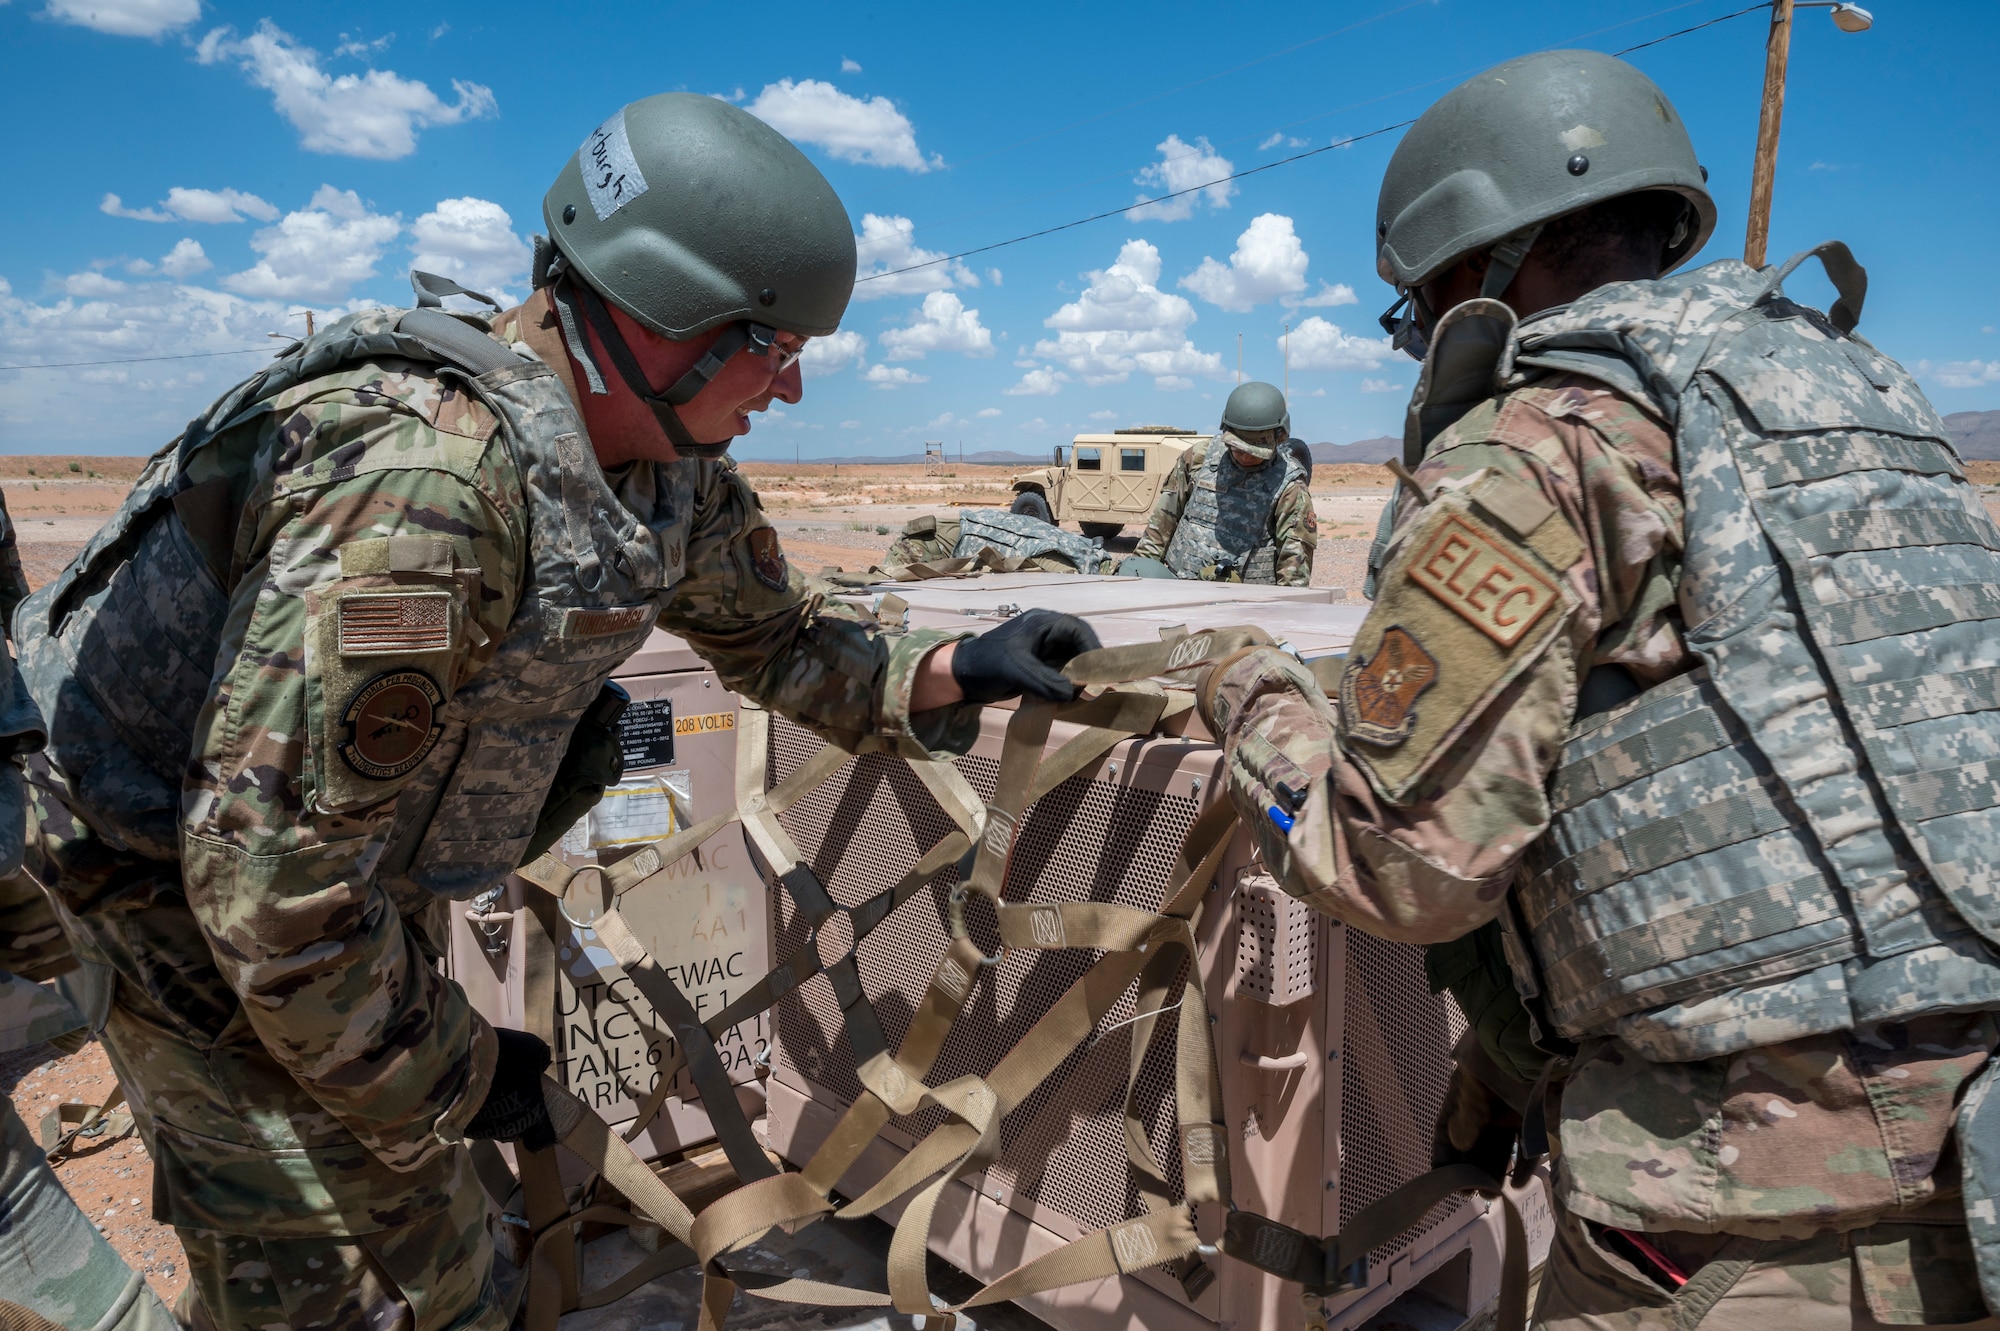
pixel 1487 585
pixel 705 722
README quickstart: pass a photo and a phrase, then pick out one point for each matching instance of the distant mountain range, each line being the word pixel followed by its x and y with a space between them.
pixel 1975 434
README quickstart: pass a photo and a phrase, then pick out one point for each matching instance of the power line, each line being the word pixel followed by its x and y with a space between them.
pixel 134 360
pixel 1255 170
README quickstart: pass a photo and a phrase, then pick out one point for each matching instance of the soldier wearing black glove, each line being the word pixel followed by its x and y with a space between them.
pixel 514 1110
pixel 1024 655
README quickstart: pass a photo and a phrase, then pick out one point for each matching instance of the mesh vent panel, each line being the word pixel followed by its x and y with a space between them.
pixel 1395 1063
pixel 1085 841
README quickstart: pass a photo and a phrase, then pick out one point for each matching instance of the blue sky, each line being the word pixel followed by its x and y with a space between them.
pixel 265 161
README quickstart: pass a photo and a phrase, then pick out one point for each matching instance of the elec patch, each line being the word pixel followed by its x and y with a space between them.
pixel 392 724
pixel 1482 581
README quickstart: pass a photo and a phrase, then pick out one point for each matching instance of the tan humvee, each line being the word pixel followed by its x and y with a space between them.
pixel 1106 481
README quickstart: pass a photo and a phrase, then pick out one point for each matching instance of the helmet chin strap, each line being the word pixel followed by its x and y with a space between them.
pixel 570 293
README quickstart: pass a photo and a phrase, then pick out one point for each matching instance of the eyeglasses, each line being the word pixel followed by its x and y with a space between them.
pixel 764 342
pixel 1406 335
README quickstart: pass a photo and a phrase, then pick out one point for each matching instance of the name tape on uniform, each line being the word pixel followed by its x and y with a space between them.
pixel 1484 583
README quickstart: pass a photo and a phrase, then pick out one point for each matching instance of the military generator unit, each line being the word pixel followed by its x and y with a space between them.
pixel 823 921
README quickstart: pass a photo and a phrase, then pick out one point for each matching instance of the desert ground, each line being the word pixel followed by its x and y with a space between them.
pixel 829 516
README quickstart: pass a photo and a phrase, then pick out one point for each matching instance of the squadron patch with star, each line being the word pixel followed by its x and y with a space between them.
pixel 392 723
pixel 1379 695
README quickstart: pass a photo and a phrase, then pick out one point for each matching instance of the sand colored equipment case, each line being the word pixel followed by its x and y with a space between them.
pixel 1333 1053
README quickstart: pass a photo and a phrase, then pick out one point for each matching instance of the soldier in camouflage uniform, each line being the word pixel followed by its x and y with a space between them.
pixel 54 1264
pixel 327 668
pixel 1238 508
pixel 1672 708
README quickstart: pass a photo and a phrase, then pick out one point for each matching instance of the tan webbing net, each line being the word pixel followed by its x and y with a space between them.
pixel 1129 692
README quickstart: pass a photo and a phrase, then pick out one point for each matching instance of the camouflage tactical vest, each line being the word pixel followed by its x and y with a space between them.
pixel 1226 521
pixel 120 650
pixel 1018 536
pixel 1802 835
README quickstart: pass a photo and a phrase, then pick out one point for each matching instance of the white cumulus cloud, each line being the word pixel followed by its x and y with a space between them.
pixel 184 260
pixel 1964 373
pixel 1269 262
pixel 886 245
pixel 942 324
pixel 138 404
pixel 871 132
pixel 1380 386
pixel 1319 345
pixel 833 353
pixel 848 65
pixel 1123 323
pixel 195 205
pixel 1104 415
pixel 472 242
pixel 126 18
pixel 893 376
pixel 988 413
pixel 1038 382
pixel 1335 293
pixel 1185 166
pixel 376 114
pixel 318 252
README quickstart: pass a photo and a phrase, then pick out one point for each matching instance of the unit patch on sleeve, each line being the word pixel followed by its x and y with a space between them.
pixel 767 557
pixel 1482 581
pixel 1378 697
pixel 392 723
pixel 1463 608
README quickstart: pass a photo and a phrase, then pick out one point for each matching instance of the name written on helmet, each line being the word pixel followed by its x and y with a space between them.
pixel 611 175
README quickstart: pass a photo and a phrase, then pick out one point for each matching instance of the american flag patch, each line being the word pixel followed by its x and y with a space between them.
pixel 395 623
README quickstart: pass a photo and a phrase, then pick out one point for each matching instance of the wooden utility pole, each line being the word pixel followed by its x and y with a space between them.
pixel 1777 54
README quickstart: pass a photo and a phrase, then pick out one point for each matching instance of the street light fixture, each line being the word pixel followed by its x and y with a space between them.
pixel 1848 17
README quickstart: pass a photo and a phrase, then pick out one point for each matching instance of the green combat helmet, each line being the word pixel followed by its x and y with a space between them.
pixel 688 213
pixel 1254 407
pixel 1516 147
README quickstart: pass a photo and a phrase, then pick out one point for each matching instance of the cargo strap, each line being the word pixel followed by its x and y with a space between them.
pixel 1133 689
pixel 65 1123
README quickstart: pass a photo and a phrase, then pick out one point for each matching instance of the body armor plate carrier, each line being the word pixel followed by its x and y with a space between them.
pixel 1801 835
pixel 1225 524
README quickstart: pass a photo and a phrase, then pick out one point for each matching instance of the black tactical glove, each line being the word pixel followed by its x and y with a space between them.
pixel 1024 655
pixel 1475 1125
pixel 594 760
pixel 514 1110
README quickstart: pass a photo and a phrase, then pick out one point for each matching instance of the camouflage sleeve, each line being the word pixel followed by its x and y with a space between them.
pixel 287 808
pixel 782 638
pixel 1295 527
pixel 1166 514
pixel 1414 793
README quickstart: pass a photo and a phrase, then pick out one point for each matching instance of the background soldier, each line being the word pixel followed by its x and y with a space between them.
pixel 1679 650
pixel 1239 508
pixel 316 677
